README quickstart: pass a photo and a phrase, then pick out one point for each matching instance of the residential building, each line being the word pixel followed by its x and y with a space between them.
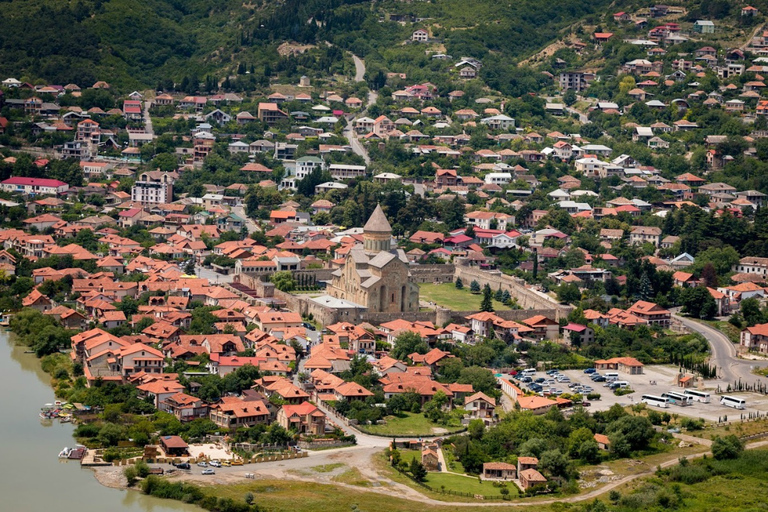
pixel 153 187
pixel 34 186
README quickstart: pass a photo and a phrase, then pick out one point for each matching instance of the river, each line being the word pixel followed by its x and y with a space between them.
pixel 32 479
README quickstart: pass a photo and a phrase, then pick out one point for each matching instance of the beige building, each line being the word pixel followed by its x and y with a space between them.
pixel 375 275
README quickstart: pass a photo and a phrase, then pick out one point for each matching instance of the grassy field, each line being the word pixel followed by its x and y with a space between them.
pixel 409 424
pixel 448 296
pixel 748 428
pixel 726 486
pixel 290 496
pixel 726 328
pixel 472 485
pixel 352 477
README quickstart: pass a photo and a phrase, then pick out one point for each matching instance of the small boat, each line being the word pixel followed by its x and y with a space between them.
pixel 64 454
pixel 77 453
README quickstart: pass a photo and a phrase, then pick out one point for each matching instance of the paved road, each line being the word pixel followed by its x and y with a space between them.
pixel 147 118
pixel 359 68
pixel 349 133
pixel 249 223
pixel 724 355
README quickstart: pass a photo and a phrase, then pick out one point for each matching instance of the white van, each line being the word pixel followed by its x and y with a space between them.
pixel 611 375
pixel 529 371
pixel 619 384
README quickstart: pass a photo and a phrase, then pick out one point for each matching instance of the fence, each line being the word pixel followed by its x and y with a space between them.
pixel 318 444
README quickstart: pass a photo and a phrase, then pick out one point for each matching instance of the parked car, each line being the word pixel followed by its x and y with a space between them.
pixel 202 464
pixel 526 379
pixel 208 471
pixel 587 389
pixel 183 465
pixel 215 463
pixel 585 404
pixel 590 370
pixel 540 380
pixel 599 378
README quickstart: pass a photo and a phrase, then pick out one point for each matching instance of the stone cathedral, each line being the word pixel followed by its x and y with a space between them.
pixel 375 275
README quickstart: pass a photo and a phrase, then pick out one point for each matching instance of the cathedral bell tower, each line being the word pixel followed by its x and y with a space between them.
pixel 377 233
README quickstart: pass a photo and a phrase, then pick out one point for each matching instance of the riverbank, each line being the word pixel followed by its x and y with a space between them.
pixel 35 479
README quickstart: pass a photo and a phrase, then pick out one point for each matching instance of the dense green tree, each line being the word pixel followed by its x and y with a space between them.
pixel 728 447
pixel 407 343
pixel 487 302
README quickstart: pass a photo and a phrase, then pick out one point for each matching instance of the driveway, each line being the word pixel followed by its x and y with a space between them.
pixel 724 355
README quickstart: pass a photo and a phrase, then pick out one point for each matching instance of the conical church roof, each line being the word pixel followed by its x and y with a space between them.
pixel 378 222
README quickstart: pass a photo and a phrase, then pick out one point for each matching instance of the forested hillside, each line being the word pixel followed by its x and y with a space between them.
pixel 135 43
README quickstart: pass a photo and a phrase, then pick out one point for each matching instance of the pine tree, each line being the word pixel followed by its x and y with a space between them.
pixel 459 284
pixel 499 296
pixel 535 264
pixel 645 289
pixel 506 298
pixel 474 287
pixel 487 303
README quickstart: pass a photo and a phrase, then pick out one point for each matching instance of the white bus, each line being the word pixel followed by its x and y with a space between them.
pixel 697 396
pixel 732 401
pixel 656 401
pixel 677 398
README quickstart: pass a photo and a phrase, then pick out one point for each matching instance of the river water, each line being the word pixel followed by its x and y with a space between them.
pixel 32 479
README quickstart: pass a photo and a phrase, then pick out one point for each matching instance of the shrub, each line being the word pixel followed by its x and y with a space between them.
pixel 130 475
pixel 729 447
pixel 688 474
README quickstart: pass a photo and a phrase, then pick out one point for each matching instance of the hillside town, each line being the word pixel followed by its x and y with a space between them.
pixel 320 263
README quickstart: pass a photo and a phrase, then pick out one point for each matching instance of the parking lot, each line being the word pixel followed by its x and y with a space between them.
pixel 656 380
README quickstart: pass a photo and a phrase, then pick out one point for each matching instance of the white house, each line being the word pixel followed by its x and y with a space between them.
pixel 499 122
pixel 306 164
pixel 34 186
pixel 498 178
pixel 420 36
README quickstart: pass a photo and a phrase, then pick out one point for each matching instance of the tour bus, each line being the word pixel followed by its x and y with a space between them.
pixel 656 401
pixel 677 398
pixel 697 396
pixel 732 401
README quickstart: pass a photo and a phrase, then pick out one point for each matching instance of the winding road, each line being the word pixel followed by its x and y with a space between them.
pixel 349 132
pixel 724 354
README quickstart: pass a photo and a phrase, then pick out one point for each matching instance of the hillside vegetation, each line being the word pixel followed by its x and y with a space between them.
pixel 134 44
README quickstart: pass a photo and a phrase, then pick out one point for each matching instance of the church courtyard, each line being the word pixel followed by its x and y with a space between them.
pixel 449 297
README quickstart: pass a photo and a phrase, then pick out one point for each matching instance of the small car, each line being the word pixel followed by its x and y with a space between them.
pixel 590 370
pixel 183 465
pixel 202 464
pixel 208 471
pixel 585 404
pixel 215 464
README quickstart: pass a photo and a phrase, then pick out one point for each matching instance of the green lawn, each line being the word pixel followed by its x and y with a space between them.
pixel 467 484
pixel 448 296
pixel 408 424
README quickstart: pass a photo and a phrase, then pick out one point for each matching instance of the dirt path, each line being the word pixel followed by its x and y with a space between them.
pixel 361 459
